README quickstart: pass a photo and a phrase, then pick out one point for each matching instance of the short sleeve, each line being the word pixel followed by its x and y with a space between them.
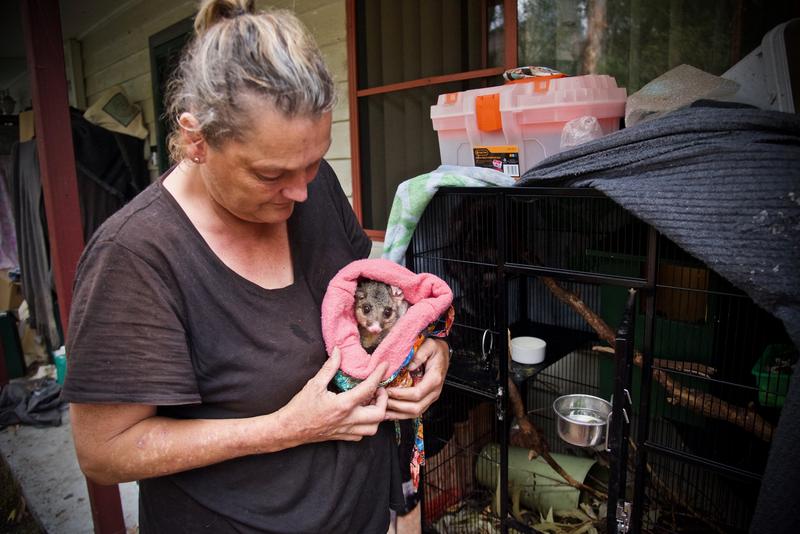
pixel 126 343
pixel 358 238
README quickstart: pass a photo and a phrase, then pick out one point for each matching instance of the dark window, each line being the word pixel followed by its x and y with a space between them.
pixel 165 51
pixel 407 52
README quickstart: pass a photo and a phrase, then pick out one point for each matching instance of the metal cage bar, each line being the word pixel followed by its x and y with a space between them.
pixel 502 249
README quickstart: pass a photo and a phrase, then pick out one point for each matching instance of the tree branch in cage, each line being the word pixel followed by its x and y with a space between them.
pixel 677 394
pixel 714 407
pixel 595 321
pixel 532 438
pixel 692 368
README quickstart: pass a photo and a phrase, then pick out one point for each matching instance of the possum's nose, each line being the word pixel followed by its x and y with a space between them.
pixel 374 328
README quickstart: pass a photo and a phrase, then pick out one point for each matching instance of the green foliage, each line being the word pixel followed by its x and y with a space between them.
pixel 640 40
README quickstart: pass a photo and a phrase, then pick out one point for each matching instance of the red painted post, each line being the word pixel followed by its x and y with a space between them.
pixel 41 21
pixel 46 69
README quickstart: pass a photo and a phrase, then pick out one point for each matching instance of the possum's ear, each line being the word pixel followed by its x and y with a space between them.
pixel 396 292
pixel 360 293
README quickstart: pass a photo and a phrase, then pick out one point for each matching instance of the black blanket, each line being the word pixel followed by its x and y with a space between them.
pixel 36 403
pixel 724 184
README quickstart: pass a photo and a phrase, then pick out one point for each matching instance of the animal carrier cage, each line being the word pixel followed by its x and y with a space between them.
pixel 696 368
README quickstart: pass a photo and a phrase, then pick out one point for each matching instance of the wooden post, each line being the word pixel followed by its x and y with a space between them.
pixel 41 21
pixel 510 29
pixel 352 81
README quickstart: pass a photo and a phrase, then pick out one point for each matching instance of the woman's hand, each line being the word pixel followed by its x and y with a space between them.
pixel 408 403
pixel 316 414
pixel 122 442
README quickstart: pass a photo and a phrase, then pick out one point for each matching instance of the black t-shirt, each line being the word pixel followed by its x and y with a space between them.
pixel 158 319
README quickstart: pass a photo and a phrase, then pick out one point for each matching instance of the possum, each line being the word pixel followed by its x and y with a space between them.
pixel 378 306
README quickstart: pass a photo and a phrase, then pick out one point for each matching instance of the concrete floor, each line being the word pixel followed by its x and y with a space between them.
pixel 43 462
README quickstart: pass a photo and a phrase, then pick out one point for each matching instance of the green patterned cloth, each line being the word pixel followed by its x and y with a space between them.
pixel 413 196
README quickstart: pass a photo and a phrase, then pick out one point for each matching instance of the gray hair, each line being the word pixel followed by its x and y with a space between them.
pixel 237 52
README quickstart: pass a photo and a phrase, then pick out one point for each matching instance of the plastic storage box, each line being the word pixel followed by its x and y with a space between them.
pixel 514 126
pixel 773 372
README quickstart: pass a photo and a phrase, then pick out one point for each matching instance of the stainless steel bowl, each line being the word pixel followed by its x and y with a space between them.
pixel 582 419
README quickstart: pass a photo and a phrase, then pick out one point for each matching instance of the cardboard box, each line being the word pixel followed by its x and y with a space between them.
pixel 10 293
pixel 26 126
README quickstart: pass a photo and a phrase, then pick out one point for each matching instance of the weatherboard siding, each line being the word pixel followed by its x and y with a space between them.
pixel 116 52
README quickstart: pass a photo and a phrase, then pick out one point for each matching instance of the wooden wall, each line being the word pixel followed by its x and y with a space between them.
pixel 116 52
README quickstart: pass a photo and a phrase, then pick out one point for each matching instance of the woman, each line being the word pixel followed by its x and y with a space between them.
pixel 197 364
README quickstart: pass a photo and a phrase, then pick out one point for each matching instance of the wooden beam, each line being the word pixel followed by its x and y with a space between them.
pixel 44 47
pixel 510 29
pixel 484 34
pixel 54 143
pixel 376 235
pixel 431 80
pixel 106 508
pixel 352 82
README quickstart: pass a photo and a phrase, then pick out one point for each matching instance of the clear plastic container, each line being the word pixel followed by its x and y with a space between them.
pixel 765 75
pixel 522 120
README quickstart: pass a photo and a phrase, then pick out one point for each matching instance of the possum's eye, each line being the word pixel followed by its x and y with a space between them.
pixel 387 312
pixel 366 308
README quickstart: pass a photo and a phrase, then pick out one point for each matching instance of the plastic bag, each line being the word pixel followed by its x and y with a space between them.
pixel 579 131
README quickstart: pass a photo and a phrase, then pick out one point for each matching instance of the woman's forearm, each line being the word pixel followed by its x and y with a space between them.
pixel 122 442
pixel 154 446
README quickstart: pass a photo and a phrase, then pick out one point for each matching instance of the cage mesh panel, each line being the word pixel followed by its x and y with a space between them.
pixel 699 320
pixel 515 300
pixel 696 324
pixel 471 217
pixel 543 307
pixel 701 499
pixel 474 289
pixel 457 428
pixel 575 373
pixel 474 297
pixel 579 233
pixel 471 365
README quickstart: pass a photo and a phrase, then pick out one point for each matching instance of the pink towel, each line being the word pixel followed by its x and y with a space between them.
pixel 428 296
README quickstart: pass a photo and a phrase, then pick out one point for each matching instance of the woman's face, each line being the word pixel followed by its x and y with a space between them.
pixel 259 178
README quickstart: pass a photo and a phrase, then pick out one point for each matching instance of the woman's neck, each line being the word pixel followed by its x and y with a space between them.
pixel 258 252
pixel 207 215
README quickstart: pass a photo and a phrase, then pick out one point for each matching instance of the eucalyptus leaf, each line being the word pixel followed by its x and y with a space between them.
pixel 588 509
pixel 578 515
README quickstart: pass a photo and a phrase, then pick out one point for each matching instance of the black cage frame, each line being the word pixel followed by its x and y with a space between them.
pixel 482 241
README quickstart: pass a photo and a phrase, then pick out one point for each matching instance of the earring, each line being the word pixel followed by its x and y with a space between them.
pixel 196 159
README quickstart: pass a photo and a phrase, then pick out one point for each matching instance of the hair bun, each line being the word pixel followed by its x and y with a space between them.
pixel 213 11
